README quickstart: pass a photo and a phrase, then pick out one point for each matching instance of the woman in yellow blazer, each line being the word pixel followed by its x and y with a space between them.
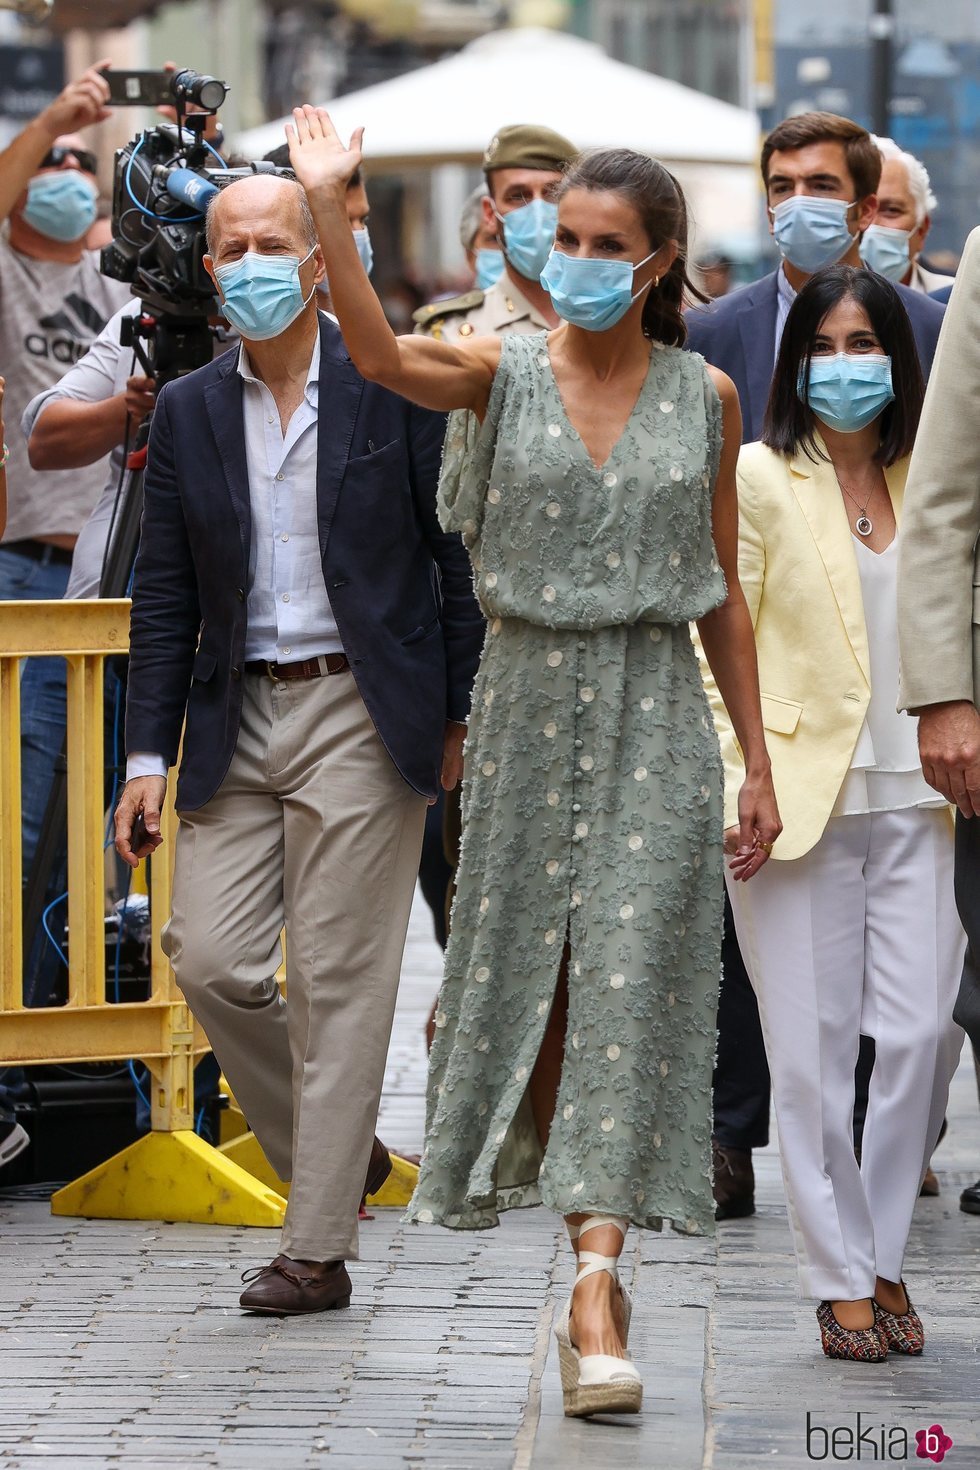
pixel 854 928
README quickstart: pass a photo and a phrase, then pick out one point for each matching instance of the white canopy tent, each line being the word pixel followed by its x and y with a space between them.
pixel 446 113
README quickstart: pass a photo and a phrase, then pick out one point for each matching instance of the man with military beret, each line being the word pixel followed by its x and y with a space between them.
pixel 523 166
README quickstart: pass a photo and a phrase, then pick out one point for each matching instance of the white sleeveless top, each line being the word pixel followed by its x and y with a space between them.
pixel 885 774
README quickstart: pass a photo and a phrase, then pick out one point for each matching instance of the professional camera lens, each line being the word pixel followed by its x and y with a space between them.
pixel 207 92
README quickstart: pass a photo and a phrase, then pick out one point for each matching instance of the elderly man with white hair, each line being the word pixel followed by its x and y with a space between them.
pixel 892 244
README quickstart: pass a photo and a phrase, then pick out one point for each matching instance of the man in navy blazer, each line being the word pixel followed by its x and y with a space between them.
pixel 820 172
pixel 295 597
pixel 815 156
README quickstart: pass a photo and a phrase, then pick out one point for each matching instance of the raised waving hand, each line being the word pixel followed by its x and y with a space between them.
pixel 316 154
pixel 434 374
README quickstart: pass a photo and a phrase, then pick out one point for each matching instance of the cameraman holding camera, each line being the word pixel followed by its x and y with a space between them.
pixel 53 303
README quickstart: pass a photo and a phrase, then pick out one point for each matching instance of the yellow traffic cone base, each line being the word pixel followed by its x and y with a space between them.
pixel 172 1176
pixel 395 1193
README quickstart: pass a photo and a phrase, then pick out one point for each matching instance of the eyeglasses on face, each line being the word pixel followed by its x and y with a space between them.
pixel 55 157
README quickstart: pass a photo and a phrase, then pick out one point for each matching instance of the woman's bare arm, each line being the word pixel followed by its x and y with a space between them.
pixel 433 374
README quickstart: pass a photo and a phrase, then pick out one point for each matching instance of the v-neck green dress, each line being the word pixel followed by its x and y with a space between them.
pixel 592 809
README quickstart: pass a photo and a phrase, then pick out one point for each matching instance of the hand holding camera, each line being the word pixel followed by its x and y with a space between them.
pixel 81 104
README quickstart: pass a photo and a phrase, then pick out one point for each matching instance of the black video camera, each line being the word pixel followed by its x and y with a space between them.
pixel 164 88
pixel 162 184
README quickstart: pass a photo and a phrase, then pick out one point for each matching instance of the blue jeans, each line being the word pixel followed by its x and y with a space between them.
pixel 43 704
pixel 43 693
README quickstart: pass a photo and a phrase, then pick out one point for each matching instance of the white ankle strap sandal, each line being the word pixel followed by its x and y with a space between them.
pixel 597 1383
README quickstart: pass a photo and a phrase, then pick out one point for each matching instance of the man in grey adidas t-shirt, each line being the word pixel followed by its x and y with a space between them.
pixel 54 302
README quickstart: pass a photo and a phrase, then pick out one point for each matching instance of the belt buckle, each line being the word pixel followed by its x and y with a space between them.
pixel 270 670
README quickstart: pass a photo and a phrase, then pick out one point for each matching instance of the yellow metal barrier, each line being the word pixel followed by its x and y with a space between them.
pixel 171 1174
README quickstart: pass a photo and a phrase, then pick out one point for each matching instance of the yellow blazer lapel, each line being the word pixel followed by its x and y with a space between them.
pixel 816 489
pixel 895 477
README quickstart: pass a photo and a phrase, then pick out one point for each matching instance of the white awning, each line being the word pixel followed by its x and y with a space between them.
pixel 449 111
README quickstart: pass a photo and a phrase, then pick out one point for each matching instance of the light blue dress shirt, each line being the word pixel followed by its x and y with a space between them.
pixel 289 613
pixel 785 296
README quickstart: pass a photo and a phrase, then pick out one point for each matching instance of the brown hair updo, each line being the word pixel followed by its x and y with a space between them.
pixel 659 201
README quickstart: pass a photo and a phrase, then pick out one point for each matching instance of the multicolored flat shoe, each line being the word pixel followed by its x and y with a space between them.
pixel 862 1344
pixel 903 1330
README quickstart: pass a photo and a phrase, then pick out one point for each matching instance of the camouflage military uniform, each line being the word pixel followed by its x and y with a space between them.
pixel 501 309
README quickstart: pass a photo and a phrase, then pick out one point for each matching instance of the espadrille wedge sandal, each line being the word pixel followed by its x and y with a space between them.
pixel 597 1383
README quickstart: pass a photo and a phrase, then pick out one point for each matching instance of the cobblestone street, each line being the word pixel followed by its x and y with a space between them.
pixel 123 1344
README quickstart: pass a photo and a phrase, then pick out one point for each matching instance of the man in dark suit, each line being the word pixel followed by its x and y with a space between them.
pixel 820 173
pixel 296 597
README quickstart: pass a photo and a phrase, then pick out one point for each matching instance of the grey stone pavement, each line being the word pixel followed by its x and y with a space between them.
pixel 122 1343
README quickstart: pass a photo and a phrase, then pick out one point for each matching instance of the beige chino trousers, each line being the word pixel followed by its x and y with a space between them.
pixel 312 830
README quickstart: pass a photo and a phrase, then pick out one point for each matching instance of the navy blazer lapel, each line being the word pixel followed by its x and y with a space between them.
pixel 757 329
pixel 338 399
pixel 223 398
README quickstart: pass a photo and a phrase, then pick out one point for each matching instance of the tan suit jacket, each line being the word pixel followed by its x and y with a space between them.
pixel 799 573
pixel 939 567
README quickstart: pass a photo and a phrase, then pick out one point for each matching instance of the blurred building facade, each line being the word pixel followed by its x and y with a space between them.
pixel 323 48
pixel 822 59
pixel 704 44
pixel 778 56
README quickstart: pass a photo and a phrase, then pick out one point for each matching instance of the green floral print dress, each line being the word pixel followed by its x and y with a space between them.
pixel 592 809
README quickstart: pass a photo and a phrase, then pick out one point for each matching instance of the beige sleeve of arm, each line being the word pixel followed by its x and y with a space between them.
pixel 941 513
pixel 751 574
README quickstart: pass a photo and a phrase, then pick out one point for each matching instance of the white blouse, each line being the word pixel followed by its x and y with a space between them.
pixel 885 774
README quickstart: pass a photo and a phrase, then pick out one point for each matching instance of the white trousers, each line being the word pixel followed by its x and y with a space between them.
pixel 860 935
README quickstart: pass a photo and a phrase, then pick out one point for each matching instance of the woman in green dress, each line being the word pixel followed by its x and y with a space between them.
pixel 591 474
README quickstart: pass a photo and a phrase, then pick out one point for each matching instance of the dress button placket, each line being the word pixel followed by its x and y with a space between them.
pixel 577 863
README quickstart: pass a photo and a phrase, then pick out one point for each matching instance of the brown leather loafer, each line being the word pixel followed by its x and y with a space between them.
pixel 288 1288
pixel 733 1184
pixel 378 1169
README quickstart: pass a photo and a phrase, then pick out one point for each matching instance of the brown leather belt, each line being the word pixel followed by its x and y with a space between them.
pixel 309 668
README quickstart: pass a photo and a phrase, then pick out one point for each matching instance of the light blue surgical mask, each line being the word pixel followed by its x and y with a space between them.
pixel 489 267
pixel 61 205
pixel 849 390
pixel 885 251
pixel 810 232
pixel 364 249
pixel 262 293
pixel 590 293
pixel 529 233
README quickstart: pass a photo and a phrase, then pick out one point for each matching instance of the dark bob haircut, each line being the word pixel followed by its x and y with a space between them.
pixel 790 423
